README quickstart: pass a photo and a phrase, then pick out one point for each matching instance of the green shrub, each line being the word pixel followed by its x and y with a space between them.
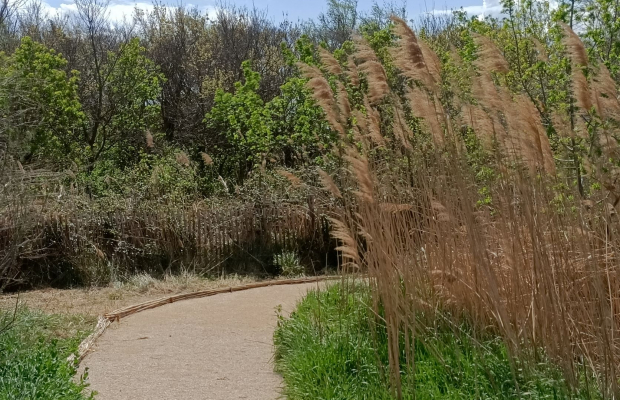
pixel 288 263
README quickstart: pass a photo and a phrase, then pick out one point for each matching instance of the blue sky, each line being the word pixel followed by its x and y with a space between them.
pixel 295 9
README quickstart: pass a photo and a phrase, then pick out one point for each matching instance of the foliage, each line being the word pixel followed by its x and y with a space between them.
pixel 158 174
pixel 329 346
pixel 289 128
pixel 33 358
pixel 289 264
pixel 243 118
pixel 40 102
pixel 125 106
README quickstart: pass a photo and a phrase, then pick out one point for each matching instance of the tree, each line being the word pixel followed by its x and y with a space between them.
pixel 246 124
pixel 119 88
pixel 41 103
pixel 602 32
pixel 335 26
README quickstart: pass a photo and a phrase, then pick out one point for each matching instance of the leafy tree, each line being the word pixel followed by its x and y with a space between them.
pixel 123 106
pixel 602 32
pixel 300 130
pixel 290 127
pixel 41 102
pixel 246 124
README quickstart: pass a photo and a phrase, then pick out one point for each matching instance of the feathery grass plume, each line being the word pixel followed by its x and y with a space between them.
pixel 408 56
pixel 206 158
pixel 308 71
pixel 150 143
pixel 377 81
pixel 223 182
pixel 433 64
pixel 393 208
pixel 378 86
pixel 322 93
pixel 495 101
pixel 352 73
pixel 402 132
pixel 535 148
pixel 363 51
pixel 541 51
pixel 605 94
pixel 368 128
pixel 474 117
pixel 182 159
pixel 440 212
pixel 581 89
pixel 579 59
pixel 373 123
pixel 329 62
pixel 358 165
pixel 574 46
pixel 292 178
pixel 424 107
pixel 329 184
pixel 343 103
pixel 490 59
pixel 360 138
pixel 347 244
pixel 561 124
pixel 493 98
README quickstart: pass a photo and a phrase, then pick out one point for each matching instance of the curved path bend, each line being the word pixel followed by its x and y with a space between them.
pixel 214 348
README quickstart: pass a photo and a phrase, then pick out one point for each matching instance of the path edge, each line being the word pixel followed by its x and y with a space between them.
pixel 105 320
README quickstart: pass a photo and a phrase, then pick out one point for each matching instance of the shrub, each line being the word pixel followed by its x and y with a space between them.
pixel 289 264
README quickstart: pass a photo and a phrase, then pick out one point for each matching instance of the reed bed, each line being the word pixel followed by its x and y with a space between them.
pixel 518 255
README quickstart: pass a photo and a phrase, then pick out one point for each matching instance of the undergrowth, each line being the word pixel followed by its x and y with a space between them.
pixel 329 348
pixel 33 356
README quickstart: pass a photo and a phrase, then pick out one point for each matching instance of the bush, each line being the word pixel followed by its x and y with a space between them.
pixel 289 264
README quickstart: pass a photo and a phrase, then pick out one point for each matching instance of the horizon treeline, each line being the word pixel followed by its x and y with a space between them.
pixel 80 92
pixel 223 96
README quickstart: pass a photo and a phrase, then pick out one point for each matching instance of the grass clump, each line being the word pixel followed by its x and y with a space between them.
pixel 330 346
pixel 289 264
pixel 33 356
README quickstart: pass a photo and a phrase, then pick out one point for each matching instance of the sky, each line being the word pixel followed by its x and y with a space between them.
pixel 293 9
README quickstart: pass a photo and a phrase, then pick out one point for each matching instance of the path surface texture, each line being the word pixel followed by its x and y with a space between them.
pixel 213 348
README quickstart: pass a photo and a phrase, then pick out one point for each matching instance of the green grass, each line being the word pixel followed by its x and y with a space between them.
pixel 33 356
pixel 326 350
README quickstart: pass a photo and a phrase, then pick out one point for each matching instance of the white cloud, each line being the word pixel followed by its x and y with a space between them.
pixel 118 11
pixel 488 8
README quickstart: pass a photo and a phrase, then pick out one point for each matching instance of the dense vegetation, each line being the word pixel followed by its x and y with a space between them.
pixel 469 167
pixel 328 349
pixel 33 355
pixel 111 133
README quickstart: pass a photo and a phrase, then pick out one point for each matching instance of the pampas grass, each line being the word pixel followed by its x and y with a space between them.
pixel 206 158
pixel 518 263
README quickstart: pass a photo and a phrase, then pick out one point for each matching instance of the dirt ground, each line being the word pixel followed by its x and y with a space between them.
pixel 212 348
pixel 92 302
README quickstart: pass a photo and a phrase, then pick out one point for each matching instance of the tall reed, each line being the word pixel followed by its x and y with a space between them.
pixel 521 260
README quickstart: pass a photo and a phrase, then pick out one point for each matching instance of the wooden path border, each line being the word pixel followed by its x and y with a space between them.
pixel 105 320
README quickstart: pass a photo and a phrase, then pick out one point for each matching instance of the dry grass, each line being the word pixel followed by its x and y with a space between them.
pixel 93 302
pixel 538 269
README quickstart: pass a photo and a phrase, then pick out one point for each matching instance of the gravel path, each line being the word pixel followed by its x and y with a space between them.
pixel 213 348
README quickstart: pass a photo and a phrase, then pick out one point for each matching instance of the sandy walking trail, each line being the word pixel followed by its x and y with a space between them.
pixel 212 348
